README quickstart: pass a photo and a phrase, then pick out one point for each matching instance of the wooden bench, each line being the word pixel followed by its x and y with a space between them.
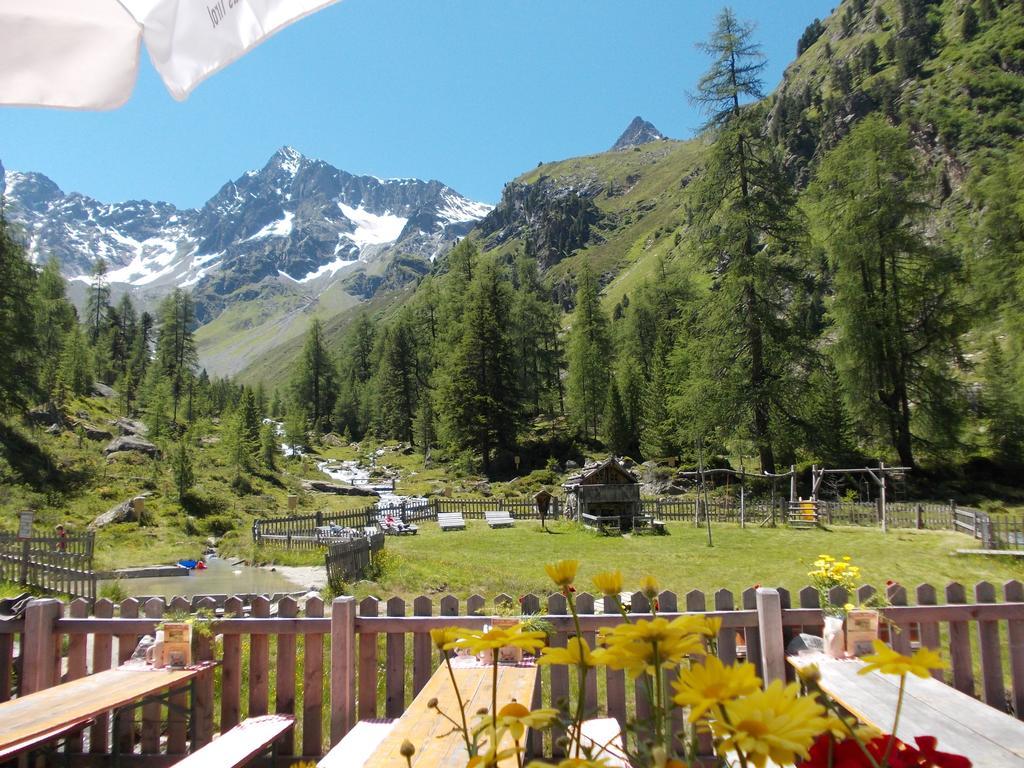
pixel 606 525
pixel 451 521
pixel 499 518
pixel 357 745
pixel 604 737
pixel 243 743
pixel 961 723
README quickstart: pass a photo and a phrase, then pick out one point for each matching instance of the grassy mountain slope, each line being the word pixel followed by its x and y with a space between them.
pixel 960 89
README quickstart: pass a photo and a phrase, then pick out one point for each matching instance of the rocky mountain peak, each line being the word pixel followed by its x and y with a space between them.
pixel 638 132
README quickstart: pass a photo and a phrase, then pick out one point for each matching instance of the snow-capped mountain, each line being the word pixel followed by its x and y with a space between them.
pixel 295 221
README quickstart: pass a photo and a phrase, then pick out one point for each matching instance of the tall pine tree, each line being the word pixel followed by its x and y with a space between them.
pixel 589 357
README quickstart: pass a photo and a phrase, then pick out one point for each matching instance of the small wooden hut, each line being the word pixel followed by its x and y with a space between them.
pixel 604 495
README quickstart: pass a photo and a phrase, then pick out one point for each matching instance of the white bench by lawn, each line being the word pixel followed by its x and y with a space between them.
pixel 357 745
pixel 499 518
pixel 451 521
pixel 243 743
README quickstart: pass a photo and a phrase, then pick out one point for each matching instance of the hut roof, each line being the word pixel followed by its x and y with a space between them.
pixel 609 471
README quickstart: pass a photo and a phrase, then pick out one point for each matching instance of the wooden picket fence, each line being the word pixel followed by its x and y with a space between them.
pixel 348 560
pixel 369 660
pixel 61 566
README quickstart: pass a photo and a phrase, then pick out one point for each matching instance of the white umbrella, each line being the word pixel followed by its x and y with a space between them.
pixel 84 54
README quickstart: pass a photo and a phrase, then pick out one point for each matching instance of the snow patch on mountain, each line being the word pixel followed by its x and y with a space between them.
pixel 458 209
pixel 278 228
pixel 372 229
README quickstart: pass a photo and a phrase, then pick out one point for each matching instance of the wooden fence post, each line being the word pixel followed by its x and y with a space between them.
pixel 39 645
pixel 769 627
pixel 343 666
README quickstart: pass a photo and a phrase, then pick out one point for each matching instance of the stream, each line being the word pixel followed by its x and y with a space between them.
pixel 218 578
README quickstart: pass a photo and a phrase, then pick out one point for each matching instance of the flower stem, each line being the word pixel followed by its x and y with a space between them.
pixel 581 673
pixel 895 720
pixel 458 698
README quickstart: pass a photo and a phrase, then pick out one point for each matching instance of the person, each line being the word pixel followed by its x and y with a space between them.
pixel 62 539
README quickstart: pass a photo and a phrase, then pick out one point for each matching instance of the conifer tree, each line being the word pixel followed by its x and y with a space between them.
pixel 480 404
pixel 1002 407
pixel 237 447
pixel 397 382
pixel 268 446
pixel 182 470
pixel 315 386
pixel 18 374
pixel 896 317
pixel 746 231
pixel 176 356
pixel 615 427
pixel 589 356
pixel 75 374
pixel 54 318
pixel 251 418
pixel 98 301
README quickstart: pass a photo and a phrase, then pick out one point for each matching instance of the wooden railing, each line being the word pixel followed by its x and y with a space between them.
pixel 369 660
pixel 61 565
pixel 348 560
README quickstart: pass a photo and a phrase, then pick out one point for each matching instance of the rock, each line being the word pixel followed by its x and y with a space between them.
pixel 332 440
pixel 131 443
pixel 122 513
pixel 46 415
pixel 128 426
pixel 570 464
pixel 803 642
pixel 407 450
pixel 54 429
pixel 102 390
pixel 322 486
pixel 93 432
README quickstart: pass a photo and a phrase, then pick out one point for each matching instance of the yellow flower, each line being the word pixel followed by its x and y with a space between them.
pixel 609 583
pixel 573 762
pixel 849 607
pixel 498 637
pixel 776 724
pixel 563 573
pixel 445 635
pixel 575 653
pixel 514 718
pixel 889 662
pixel 663 760
pixel 706 685
pixel 649 586
pixel 639 647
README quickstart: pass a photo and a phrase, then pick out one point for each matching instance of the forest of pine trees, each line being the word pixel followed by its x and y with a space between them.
pixel 823 322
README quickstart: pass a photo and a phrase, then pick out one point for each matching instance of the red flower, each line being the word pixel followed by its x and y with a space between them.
pixel 657 606
pixel 889 582
pixel 827 753
pixel 757 586
pixel 930 756
pixel 521 600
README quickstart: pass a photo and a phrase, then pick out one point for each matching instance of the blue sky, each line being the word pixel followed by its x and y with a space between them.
pixel 471 92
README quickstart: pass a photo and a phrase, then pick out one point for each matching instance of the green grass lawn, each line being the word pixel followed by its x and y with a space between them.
pixel 489 562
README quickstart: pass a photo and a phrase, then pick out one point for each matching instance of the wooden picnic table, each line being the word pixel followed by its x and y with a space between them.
pixel 436 745
pixel 27 718
pixel 962 724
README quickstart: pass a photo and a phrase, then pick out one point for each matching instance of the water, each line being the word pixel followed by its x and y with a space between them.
pixel 218 578
pixel 354 473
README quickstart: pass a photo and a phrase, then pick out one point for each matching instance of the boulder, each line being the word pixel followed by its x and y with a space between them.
pixel 322 486
pixel 102 390
pixel 125 512
pixel 93 432
pixel 54 429
pixel 46 415
pixel 332 440
pixel 570 464
pixel 131 443
pixel 128 426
